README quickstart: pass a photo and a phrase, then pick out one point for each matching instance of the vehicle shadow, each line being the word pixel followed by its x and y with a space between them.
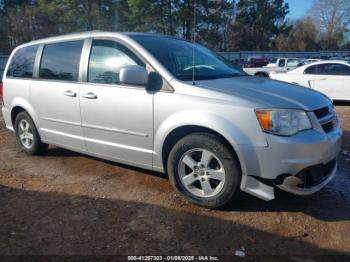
pixel 341 103
pixel 51 223
pixel 54 151
pixel 332 203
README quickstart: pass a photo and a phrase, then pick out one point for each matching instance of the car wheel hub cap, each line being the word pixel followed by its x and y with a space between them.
pixel 201 172
pixel 25 134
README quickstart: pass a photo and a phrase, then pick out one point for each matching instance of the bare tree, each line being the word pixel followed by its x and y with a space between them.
pixel 333 17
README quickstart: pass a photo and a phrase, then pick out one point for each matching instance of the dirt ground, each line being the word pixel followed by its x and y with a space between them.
pixel 64 203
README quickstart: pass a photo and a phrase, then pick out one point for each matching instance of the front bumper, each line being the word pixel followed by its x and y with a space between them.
pixel 309 180
pixel 286 163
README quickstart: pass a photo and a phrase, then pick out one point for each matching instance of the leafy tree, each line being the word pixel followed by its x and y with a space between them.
pixel 152 16
pixel 258 22
pixel 304 36
pixel 213 22
pixel 255 24
pixel 333 17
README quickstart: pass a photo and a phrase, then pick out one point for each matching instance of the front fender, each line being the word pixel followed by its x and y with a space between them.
pixel 231 132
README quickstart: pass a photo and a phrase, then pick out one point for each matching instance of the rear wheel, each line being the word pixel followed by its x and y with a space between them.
pixel 261 74
pixel 28 136
pixel 204 170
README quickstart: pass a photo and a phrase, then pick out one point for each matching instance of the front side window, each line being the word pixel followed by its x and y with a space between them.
pixel 22 62
pixel 60 61
pixel 106 59
pixel 184 59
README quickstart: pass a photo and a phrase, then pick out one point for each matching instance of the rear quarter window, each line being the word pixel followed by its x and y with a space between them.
pixel 22 62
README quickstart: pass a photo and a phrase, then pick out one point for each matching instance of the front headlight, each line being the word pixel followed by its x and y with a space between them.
pixel 283 122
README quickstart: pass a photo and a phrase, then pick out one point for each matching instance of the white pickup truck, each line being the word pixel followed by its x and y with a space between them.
pixel 276 65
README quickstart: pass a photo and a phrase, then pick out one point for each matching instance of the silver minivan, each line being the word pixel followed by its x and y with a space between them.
pixel 172 106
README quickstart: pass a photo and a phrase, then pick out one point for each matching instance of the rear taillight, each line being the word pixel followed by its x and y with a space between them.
pixel 1 91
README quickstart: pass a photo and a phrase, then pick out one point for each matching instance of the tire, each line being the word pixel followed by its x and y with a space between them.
pixel 194 149
pixel 261 74
pixel 28 136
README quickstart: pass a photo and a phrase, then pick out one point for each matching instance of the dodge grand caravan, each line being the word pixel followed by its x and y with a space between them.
pixel 172 106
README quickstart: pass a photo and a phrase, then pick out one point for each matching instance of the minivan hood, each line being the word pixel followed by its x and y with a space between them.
pixel 268 93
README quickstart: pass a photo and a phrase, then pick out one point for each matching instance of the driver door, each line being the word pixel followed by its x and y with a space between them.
pixel 117 119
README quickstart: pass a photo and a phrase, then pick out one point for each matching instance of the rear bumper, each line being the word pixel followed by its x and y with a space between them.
pixel 7 117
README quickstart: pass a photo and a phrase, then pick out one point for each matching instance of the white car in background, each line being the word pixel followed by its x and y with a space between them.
pixel 329 77
pixel 310 60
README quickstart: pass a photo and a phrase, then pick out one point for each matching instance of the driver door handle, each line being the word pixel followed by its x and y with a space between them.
pixel 90 95
pixel 70 93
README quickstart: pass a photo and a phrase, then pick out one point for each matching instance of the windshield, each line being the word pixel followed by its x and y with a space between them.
pixel 177 55
pixel 273 61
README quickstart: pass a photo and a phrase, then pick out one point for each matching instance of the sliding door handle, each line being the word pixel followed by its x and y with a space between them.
pixel 90 96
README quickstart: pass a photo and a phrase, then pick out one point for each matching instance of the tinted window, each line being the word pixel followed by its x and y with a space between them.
pixel 106 60
pixel 60 61
pixel 183 58
pixel 22 62
pixel 2 66
pixel 281 63
pixel 333 69
pixel 3 61
pixel 311 70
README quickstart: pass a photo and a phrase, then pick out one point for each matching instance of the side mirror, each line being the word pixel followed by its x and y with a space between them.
pixel 133 75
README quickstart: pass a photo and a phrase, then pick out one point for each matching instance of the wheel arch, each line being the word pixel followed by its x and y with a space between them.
pixel 262 73
pixel 14 112
pixel 20 105
pixel 186 122
pixel 178 133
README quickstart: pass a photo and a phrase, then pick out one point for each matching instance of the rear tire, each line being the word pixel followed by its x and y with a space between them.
pixel 261 74
pixel 202 168
pixel 28 136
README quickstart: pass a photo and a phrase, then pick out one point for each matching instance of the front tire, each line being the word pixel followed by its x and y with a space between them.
pixel 204 170
pixel 28 136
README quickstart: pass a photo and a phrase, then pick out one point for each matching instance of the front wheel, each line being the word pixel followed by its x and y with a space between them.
pixel 204 170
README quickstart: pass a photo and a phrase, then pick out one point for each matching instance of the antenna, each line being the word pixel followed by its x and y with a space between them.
pixel 193 41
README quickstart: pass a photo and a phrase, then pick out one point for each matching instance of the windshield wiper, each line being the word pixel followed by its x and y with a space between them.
pixel 232 75
pixel 208 77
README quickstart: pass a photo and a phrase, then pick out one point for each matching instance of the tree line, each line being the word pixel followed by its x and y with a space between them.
pixel 225 25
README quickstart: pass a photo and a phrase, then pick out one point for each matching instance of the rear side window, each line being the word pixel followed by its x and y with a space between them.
pixel 22 62
pixel 3 61
pixel 60 61
pixel 311 70
pixel 333 69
